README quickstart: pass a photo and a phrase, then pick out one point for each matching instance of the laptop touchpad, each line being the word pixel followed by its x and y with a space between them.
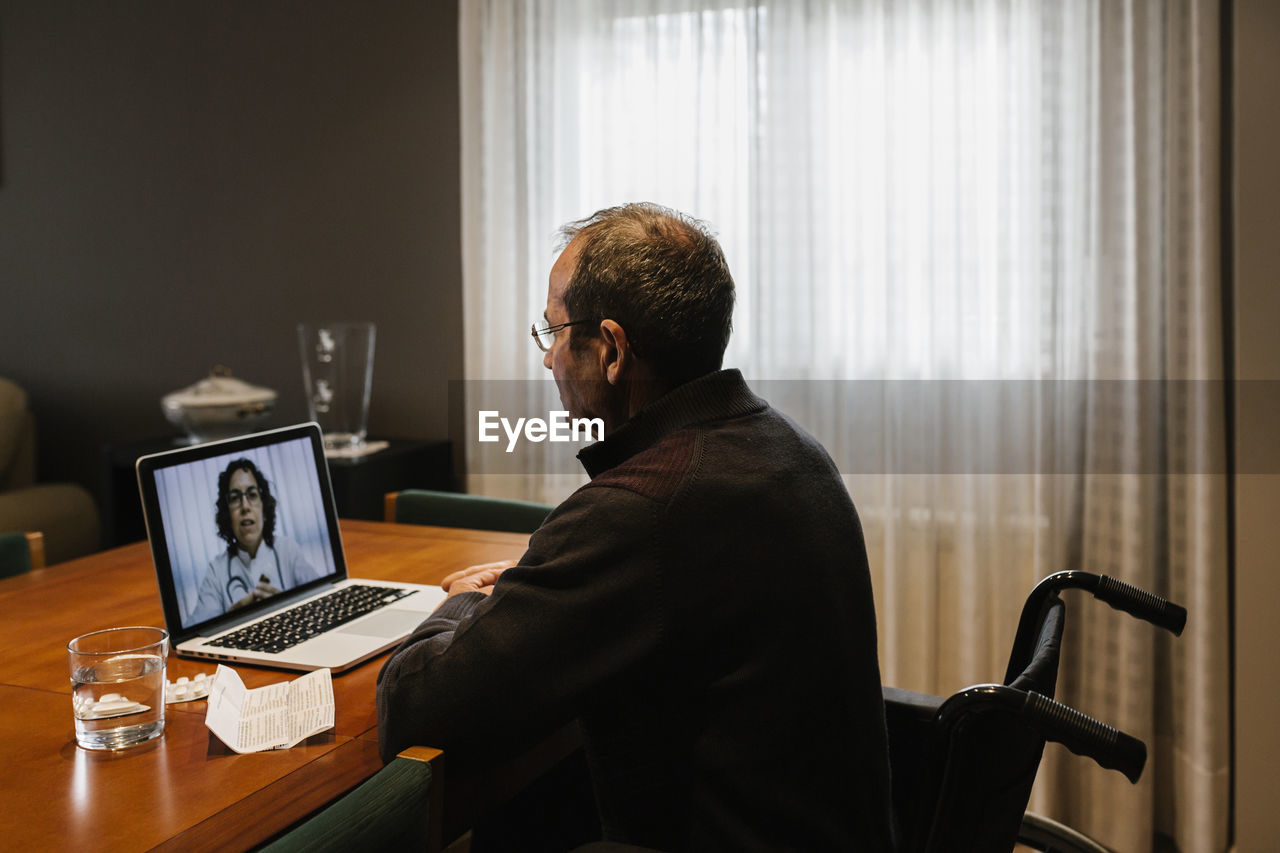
pixel 386 623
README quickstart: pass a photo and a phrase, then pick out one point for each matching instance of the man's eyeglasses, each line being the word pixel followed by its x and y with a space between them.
pixel 546 336
pixel 235 497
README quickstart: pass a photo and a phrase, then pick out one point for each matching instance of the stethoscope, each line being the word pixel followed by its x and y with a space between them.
pixel 236 579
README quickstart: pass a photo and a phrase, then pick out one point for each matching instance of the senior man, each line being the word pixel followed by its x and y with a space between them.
pixel 702 606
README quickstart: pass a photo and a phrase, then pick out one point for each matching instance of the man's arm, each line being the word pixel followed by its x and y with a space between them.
pixel 485 676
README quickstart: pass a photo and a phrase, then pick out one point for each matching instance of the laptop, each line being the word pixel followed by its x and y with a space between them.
pixel 249 561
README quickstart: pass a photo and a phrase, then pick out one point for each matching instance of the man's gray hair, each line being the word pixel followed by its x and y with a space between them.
pixel 659 274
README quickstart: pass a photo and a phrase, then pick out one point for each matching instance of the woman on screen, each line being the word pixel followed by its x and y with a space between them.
pixel 257 562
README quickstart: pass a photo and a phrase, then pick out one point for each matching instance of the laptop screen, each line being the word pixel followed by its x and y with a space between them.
pixel 236 524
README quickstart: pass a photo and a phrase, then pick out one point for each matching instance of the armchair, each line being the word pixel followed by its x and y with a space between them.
pixel 65 513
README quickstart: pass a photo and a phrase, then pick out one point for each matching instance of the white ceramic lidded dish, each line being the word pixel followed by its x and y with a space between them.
pixel 218 406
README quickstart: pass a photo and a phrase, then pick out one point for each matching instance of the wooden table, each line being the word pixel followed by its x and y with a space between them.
pixel 184 790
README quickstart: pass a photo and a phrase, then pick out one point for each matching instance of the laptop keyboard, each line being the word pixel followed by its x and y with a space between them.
pixel 301 623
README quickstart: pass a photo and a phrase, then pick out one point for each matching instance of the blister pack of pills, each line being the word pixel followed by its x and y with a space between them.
pixel 187 689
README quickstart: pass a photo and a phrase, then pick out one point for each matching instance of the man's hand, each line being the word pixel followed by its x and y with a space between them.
pixel 479 578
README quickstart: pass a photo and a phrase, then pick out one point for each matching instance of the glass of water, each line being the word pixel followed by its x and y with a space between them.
pixel 117 686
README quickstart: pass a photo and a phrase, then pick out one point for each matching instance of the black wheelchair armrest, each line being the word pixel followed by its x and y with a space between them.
pixel 908 719
pixel 908 704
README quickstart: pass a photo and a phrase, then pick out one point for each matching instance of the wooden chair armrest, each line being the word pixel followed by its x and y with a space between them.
pixel 435 758
pixel 35 546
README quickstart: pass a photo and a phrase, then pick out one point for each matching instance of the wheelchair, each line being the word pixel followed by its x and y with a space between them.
pixel 963 766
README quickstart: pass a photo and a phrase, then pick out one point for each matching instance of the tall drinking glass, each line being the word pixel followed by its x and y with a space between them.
pixel 337 374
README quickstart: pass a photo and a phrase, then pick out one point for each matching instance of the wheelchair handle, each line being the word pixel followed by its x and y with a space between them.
pixel 1136 602
pixel 1120 595
pixel 1083 735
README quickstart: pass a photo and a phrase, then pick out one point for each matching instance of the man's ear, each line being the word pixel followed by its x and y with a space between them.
pixel 616 355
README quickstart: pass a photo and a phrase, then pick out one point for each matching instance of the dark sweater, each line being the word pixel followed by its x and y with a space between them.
pixel 704 607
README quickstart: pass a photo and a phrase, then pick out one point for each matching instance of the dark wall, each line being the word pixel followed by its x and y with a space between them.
pixel 182 182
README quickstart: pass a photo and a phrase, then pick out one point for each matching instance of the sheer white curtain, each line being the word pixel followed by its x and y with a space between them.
pixel 1151 505
pixel 948 222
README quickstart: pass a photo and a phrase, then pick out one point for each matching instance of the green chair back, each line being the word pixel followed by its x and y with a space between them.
pixel 454 509
pixel 15 554
pixel 393 810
